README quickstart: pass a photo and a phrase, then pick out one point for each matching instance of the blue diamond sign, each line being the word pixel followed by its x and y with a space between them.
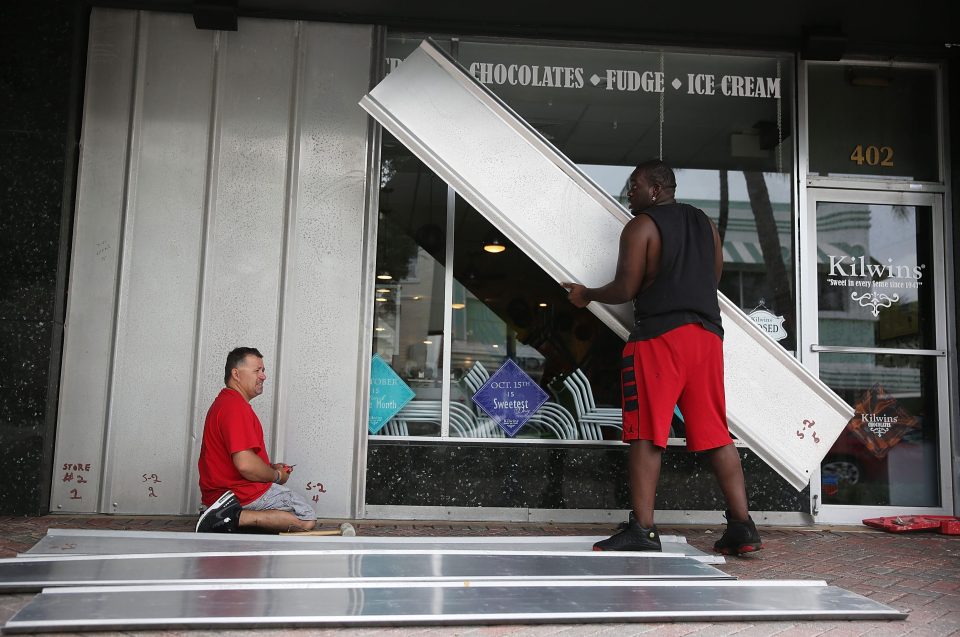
pixel 388 394
pixel 510 397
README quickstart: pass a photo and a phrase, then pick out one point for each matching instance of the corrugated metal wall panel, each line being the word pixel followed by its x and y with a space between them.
pixel 199 230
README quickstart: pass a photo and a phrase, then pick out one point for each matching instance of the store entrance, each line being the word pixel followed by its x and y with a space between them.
pixel 876 334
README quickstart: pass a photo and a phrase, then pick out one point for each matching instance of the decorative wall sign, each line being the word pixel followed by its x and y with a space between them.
pixel 388 394
pixel 510 397
pixel 649 80
pixel 864 272
pixel 880 422
pixel 874 300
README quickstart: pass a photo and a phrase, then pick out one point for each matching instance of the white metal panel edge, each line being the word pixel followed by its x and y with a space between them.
pixel 33 575
pixel 259 242
pixel 147 453
pixel 415 603
pixel 321 316
pixel 532 193
pixel 71 535
pixel 75 542
pixel 95 261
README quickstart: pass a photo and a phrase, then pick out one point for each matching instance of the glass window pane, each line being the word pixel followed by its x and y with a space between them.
pixel 876 121
pixel 887 455
pixel 754 216
pixel 875 277
pixel 723 121
pixel 753 212
pixel 409 290
pixel 506 307
pixel 619 107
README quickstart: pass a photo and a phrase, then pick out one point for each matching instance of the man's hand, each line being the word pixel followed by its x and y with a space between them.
pixel 284 469
pixel 578 293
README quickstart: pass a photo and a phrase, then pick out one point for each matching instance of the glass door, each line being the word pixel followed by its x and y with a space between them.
pixel 875 332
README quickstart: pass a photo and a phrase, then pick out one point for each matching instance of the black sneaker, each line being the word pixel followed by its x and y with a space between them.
pixel 223 516
pixel 740 537
pixel 633 538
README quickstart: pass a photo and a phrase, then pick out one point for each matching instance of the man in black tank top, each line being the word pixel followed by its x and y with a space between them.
pixel 669 265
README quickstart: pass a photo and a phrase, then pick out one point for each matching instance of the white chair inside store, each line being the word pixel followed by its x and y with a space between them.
pixel 476 377
pixel 395 428
pixel 461 418
pixel 485 427
pixel 590 417
pixel 552 418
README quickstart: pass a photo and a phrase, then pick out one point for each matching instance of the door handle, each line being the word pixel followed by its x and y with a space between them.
pixel 842 349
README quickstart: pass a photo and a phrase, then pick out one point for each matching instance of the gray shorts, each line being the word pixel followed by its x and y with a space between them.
pixel 280 498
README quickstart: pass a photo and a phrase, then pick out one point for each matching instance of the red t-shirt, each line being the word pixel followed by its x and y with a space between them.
pixel 231 426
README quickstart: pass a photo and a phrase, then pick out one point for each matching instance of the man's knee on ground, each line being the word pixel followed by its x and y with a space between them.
pixel 308 525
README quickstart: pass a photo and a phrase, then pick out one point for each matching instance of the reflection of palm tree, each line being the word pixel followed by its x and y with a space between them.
pixel 901 212
pixel 770 245
pixel 724 205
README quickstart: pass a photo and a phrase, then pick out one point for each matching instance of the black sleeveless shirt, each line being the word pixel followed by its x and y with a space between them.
pixel 685 290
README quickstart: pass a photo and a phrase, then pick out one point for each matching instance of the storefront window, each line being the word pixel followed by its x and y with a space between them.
pixel 511 309
pixel 876 121
pixel 875 275
pixel 888 454
pixel 409 287
pixel 724 122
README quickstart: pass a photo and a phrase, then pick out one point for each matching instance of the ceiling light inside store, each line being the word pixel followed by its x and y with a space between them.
pixel 383 276
pixel 543 305
pixel 458 306
pixel 427 342
pixel 383 291
pixel 380 299
pixel 494 246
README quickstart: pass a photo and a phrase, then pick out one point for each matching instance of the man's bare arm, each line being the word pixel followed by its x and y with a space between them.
pixel 252 468
pixel 631 267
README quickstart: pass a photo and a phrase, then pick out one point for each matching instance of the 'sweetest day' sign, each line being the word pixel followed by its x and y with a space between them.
pixel 510 397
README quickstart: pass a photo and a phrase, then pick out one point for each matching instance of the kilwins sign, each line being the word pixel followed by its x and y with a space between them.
pixel 769 322
pixel 880 422
pixel 876 285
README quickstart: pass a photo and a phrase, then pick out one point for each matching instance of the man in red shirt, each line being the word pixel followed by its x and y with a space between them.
pixel 238 484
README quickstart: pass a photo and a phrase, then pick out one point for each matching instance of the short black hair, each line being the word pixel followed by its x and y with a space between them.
pixel 235 358
pixel 657 172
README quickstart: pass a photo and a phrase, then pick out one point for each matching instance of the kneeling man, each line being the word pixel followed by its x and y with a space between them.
pixel 238 485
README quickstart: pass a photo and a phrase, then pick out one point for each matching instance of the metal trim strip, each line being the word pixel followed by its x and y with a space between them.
pixel 451 603
pixel 840 349
pixel 345 568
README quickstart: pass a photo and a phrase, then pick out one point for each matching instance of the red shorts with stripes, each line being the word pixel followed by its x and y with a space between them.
pixel 683 367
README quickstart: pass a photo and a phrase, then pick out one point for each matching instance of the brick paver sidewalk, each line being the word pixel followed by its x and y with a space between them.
pixel 918 573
